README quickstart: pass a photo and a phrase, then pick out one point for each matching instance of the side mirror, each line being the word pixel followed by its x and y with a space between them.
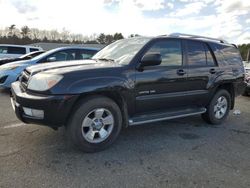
pixel 151 60
pixel 51 59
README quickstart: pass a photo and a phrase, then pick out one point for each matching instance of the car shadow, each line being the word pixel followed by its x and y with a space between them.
pixel 4 91
pixel 133 145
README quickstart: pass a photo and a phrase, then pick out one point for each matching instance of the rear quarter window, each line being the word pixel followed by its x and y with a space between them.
pixel 226 55
pixel 33 49
pixel 231 55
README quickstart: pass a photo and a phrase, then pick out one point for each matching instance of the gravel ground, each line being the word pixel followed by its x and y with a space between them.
pixel 180 153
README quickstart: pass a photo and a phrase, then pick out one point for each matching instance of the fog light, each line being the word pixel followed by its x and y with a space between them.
pixel 34 112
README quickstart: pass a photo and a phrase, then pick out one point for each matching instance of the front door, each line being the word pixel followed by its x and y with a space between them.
pixel 162 87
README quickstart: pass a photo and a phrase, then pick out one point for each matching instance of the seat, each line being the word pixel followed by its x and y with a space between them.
pixel 70 57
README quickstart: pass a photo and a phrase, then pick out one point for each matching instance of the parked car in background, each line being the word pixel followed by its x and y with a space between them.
pixel 247 78
pixel 23 57
pixel 10 72
pixel 130 82
pixel 14 51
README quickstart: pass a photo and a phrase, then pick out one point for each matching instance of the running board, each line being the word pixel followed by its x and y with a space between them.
pixel 149 118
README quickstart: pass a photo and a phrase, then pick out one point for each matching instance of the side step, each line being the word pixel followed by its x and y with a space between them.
pixel 149 118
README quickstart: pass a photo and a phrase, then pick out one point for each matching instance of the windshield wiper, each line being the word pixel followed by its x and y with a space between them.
pixel 105 59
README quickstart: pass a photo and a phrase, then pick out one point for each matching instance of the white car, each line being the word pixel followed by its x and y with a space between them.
pixel 15 51
pixel 247 78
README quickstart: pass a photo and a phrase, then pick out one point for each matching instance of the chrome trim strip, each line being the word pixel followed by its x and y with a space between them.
pixel 165 118
pixel 169 95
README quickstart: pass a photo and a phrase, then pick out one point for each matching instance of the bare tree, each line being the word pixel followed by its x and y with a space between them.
pixel 54 35
pixel 35 33
pixel 25 30
pixel 11 29
pixel 65 35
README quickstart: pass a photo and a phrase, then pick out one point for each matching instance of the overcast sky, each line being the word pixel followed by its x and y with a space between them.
pixel 229 19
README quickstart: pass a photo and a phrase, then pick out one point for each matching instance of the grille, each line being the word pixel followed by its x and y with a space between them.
pixel 3 79
pixel 24 78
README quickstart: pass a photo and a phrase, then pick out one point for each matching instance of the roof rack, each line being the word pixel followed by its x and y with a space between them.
pixel 197 37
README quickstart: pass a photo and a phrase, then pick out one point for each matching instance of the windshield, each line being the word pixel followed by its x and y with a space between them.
pixel 122 51
pixel 31 54
pixel 40 56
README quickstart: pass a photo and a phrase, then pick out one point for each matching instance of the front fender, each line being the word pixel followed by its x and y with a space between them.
pixel 98 84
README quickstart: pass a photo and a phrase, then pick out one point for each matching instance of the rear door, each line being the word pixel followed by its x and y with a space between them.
pixel 202 70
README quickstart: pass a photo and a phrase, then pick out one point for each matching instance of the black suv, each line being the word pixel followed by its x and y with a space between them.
pixel 130 82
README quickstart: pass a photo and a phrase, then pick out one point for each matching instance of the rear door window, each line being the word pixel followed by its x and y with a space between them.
pixel 16 50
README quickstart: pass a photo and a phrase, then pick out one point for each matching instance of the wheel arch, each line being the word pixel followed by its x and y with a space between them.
pixel 230 88
pixel 113 95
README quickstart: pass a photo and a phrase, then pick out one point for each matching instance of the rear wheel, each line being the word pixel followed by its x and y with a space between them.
pixel 218 108
pixel 95 124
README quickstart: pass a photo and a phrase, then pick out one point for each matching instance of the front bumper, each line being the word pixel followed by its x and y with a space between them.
pixel 56 108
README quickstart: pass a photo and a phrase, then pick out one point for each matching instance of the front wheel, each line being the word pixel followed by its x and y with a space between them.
pixel 95 124
pixel 218 108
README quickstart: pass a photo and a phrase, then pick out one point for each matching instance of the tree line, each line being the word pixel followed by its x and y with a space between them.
pixel 245 51
pixel 26 35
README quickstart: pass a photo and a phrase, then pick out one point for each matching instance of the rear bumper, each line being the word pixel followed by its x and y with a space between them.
pixel 56 108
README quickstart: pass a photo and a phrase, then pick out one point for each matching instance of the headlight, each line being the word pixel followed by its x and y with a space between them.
pixel 43 82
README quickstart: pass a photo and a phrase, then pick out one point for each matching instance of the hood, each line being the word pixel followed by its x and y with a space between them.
pixel 70 66
pixel 8 60
pixel 16 63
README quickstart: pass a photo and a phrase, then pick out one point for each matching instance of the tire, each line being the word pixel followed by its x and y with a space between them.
pixel 217 116
pixel 95 124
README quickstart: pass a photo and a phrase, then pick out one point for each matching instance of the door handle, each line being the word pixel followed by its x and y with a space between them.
pixel 212 71
pixel 181 72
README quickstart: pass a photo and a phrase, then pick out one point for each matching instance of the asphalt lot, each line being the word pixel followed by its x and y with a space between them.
pixel 179 153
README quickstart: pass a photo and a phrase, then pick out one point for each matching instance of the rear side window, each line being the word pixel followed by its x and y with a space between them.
pixel 33 49
pixel 196 53
pixel 170 50
pixel 16 50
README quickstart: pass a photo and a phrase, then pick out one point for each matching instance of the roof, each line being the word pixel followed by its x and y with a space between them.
pixel 75 47
pixel 198 37
pixel 49 46
pixel 15 45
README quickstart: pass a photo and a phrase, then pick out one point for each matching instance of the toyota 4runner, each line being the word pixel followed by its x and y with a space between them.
pixel 131 82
